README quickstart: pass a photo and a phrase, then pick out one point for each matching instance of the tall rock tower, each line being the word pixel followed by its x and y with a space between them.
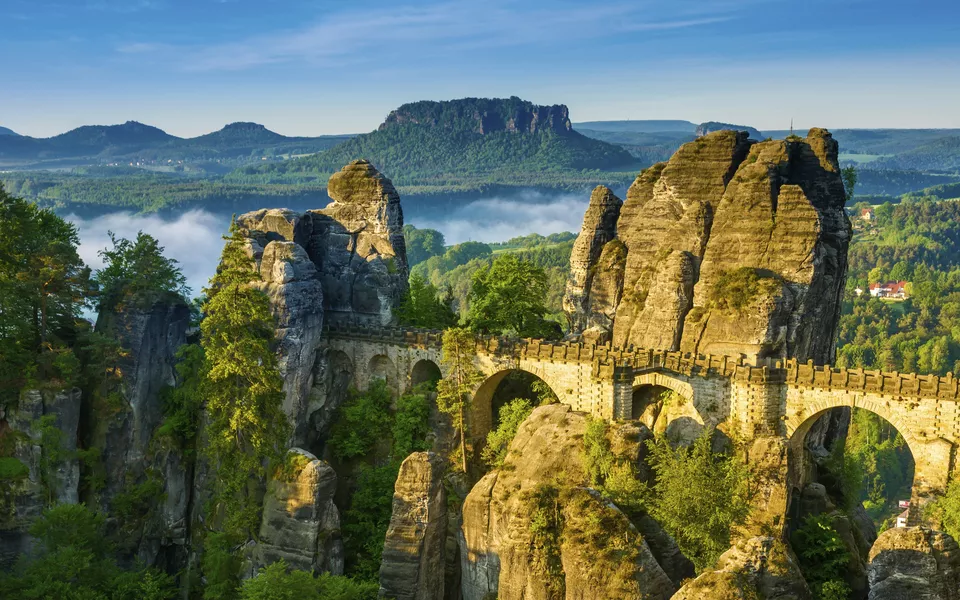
pixel 731 247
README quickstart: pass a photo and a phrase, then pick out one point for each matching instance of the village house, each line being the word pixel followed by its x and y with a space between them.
pixel 866 214
pixel 889 289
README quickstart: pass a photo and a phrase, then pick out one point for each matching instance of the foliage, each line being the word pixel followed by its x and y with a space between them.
pixel 945 510
pixel 247 428
pixel 362 421
pixel 43 284
pixel 276 582
pixel 137 272
pixel 824 558
pixel 455 390
pixel 613 476
pixel 849 176
pixel 411 422
pixel 72 559
pixel 546 529
pixel 511 415
pixel 507 298
pixel 422 244
pixel 221 566
pixel 737 289
pixel 182 403
pixel 423 307
pixel 698 496
pixel 365 522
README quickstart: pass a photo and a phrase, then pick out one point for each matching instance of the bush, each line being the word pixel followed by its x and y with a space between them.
pixel 823 556
pixel 411 423
pixel 736 290
pixel 276 582
pixel 945 511
pixel 512 414
pixel 362 421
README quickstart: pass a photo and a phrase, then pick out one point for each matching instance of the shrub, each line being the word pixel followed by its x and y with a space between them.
pixel 512 414
pixel 735 290
pixel 823 557
pixel 945 511
pixel 362 421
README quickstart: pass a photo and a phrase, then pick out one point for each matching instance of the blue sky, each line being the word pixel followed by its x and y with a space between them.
pixel 313 67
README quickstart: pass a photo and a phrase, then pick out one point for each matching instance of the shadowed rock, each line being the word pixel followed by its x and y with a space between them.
pixel 914 563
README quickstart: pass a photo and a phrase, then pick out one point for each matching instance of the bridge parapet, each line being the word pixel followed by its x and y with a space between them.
pixel 872 381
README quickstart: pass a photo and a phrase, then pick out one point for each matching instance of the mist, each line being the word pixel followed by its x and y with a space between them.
pixel 194 239
pixel 499 218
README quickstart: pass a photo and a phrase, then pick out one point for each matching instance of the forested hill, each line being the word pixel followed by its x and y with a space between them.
pixel 464 144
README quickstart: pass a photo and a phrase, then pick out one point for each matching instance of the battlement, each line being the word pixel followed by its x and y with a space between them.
pixel 878 382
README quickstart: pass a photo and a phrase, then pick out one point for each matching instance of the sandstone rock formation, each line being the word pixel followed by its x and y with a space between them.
pixel 760 567
pixel 413 565
pixel 300 523
pixel 485 115
pixel 344 262
pixel 599 228
pixel 732 247
pixel 496 541
pixel 914 563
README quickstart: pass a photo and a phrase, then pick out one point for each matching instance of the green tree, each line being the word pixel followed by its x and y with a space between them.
pixel 698 496
pixel 455 390
pixel 511 415
pixel 824 558
pixel 362 421
pixel 43 285
pixel 72 559
pixel 422 244
pixel 508 298
pixel 849 176
pixel 423 307
pixel 137 272
pixel 247 428
pixel 945 510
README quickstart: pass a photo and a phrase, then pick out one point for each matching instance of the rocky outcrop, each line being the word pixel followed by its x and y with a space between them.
pixel 300 524
pixel 760 567
pixel 413 565
pixel 732 247
pixel 496 539
pixel 43 428
pixel 914 563
pixel 711 126
pixel 599 228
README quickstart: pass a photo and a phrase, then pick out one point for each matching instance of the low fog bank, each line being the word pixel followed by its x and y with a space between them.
pixel 500 218
pixel 194 238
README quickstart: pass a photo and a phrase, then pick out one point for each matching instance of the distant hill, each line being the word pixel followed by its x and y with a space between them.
pixel 639 126
pixel 941 154
pixel 711 126
pixel 460 144
pixel 878 141
pixel 5 131
pixel 133 141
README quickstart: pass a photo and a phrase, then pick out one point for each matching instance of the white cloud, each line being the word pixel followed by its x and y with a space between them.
pixel 193 239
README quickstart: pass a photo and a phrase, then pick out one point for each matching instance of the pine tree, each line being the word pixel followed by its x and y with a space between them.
pixel 454 391
pixel 247 427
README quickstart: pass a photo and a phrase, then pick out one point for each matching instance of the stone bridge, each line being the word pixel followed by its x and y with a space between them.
pixel 770 398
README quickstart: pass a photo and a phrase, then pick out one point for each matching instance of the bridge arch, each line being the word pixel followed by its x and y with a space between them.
pixel 382 367
pixel 483 409
pixel 667 406
pixel 931 457
pixel 423 371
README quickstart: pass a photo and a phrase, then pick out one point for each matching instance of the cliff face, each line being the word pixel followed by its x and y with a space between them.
pixel 483 115
pixel 732 246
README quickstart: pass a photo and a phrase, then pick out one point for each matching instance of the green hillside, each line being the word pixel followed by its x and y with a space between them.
pixel 463 144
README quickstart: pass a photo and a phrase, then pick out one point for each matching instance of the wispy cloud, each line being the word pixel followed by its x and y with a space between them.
pixel 436 28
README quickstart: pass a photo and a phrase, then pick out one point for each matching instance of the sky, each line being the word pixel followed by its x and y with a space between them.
pixel 311 67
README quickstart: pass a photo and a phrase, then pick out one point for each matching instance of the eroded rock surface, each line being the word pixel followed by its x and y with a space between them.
pixel 301 524
pixel 760 567
pixel 731 247
pixel 413 566
pixel 914 563
pixel 496 535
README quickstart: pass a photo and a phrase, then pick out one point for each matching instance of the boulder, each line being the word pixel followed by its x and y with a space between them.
pixel 914 563
pixel 498 556
pixel 414 565
pixel 759 567
pixel 300 523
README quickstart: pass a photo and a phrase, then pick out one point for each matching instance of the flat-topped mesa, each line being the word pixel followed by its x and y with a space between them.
pixel 734 247
pixel 485 115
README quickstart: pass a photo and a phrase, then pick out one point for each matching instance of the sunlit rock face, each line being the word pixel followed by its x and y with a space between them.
pixel 413 565
pixel 731 247
pixel 301 524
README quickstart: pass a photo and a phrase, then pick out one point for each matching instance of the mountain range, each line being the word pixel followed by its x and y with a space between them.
pixel 133 141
